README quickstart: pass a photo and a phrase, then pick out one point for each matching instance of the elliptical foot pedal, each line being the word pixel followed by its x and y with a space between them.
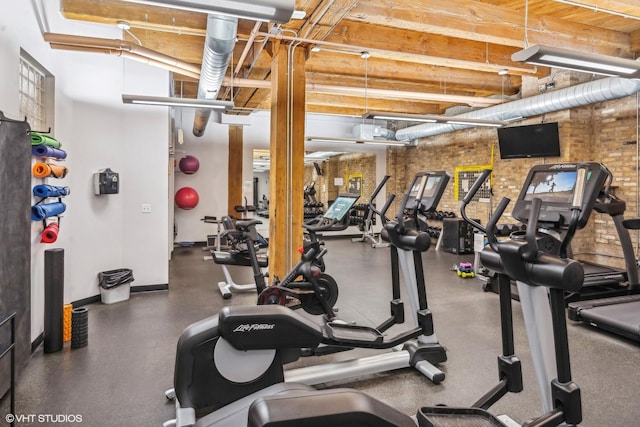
pixel 444 416
pixel 353 334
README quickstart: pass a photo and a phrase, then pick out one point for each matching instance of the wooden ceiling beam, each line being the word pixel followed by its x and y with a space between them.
pixel 372 104
pixel 422 74
pixel 433 49
pixel 479 21
pixel 111 11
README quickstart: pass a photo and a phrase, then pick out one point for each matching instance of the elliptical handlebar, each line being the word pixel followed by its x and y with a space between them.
pixel 375 194
pixel 469 196
pixel 493 221
pixel 324 224
pixel 532 226
pixel 385 208
pixel 576 206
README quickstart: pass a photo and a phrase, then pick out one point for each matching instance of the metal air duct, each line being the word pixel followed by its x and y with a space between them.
pixel 218 47
pixel 561 99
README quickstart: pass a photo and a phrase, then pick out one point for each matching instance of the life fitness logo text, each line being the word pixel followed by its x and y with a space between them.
pixel 250 327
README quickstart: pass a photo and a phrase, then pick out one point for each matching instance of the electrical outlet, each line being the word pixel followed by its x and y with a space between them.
pixel 146 208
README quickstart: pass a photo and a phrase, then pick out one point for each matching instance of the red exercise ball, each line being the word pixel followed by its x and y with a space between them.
pixel 189 165
pixel 187 198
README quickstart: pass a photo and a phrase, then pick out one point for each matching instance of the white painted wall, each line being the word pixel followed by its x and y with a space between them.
pixel 212 151
pixel 97 232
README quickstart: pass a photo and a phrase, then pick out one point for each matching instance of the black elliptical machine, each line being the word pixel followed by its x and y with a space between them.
pixel 537 261
pixel 225 362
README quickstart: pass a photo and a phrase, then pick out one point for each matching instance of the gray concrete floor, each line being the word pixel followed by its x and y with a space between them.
pixel 120 377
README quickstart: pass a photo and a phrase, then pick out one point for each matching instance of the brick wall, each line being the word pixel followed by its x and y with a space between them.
pixel 604 132
pixel 341 167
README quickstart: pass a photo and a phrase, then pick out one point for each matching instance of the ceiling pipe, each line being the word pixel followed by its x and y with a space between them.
pixel 117 44
pixel 125 54
pixel 218 48
pixel 247 47
pixel 575 96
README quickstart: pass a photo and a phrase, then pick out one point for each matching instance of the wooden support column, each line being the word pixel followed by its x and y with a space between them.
pixel 286 176
pixel 235 170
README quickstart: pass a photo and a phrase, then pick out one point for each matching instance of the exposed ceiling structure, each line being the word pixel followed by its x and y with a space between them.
pixel 424 56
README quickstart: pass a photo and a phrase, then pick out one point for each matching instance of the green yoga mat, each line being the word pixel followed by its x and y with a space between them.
pixel 38 139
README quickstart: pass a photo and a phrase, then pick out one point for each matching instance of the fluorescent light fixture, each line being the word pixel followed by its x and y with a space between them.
pixel 433 118
pixel 357 140
pixel 578 61
pixel 177 102
pixel 280 11
pixel 322 154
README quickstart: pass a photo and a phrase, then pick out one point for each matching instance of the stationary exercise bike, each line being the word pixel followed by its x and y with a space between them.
pixel 244 242
pixel 538 262
pixel 240 354
pixel 307 286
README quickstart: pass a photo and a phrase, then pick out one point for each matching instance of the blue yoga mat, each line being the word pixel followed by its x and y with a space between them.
pixel 43 191
pixel 46 151
pixel 45 210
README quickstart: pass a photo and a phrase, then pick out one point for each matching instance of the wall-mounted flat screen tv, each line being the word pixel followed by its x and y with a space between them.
pixel 521 142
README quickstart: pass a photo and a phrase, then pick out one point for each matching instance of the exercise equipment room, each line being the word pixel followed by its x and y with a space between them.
pixel 319 213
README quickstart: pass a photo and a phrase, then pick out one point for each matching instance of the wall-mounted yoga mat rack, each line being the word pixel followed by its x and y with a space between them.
pixel 45 147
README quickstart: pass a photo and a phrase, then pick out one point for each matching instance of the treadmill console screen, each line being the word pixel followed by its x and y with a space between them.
pixel 428 188
pixel 341 207
pixel 551 186
pixel 554 184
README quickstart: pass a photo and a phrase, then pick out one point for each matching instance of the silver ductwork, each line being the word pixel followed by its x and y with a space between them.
pixel 370 131
pixel 575 96
pixel 218 48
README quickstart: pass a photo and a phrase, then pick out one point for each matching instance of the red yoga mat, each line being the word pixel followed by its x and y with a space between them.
pixel 44 170
pixel 50 233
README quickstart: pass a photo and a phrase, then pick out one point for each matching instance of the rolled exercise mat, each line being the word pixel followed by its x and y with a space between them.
pixel 43 191
pixel 40 139
pixel 45 210
pixel 53 299
pixel 46 151
pixel 66 322
pixel 50 233
pixel 79 327
pixel 43 170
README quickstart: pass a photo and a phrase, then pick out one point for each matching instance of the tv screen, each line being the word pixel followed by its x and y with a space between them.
pixel 521 142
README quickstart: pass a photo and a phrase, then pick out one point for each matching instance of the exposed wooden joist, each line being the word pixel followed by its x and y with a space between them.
pixel 407 46
pixel 110 11
pixel 475 20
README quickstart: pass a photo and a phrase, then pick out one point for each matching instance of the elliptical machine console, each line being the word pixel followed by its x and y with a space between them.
pixel 555 185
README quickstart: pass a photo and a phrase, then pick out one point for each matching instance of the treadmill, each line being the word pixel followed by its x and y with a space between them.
pixel 600 281
pixel 617 314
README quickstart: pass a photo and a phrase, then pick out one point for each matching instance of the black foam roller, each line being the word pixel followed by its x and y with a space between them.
pixel 79 327
pixel 53 299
